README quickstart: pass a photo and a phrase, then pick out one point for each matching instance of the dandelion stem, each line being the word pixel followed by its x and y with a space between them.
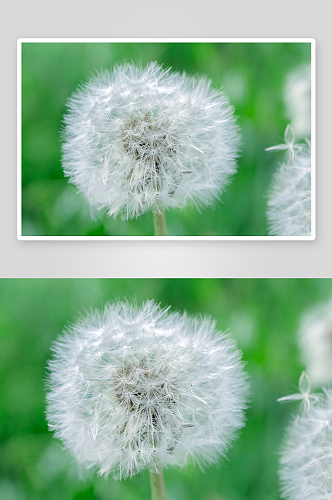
pixel 159 221
pixel 157 485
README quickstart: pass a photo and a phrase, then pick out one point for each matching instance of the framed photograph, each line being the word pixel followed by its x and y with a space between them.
pixel 166 138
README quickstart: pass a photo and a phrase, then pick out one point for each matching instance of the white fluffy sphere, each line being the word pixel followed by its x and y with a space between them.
pixel 141 138
pixel 315 339
pixel 289 203
pixel 140 387
pixel 306 462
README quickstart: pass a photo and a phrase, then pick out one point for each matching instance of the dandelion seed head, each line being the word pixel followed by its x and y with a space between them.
pixel 289 201
pixel 141 137
pixel 306 460
pixel 297 98
pixel 133 387
pixel 315 340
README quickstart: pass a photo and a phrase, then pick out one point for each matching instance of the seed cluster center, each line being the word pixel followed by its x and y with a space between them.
pixel 141 390
pixel 148 141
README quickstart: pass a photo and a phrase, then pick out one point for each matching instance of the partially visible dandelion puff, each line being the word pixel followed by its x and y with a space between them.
pixel 289 201
pixel 142 138
pixel 306 458
pixel 131 388
pixel 315 339
pixel 297 98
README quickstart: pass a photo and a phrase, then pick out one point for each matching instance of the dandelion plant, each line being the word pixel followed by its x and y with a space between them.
pixel 315 342
pixel 289 203
pixel 143 138
pixel 142 388
pixel 306 458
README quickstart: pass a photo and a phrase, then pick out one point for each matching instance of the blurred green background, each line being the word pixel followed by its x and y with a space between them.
pixel 252 74
pixel 261 314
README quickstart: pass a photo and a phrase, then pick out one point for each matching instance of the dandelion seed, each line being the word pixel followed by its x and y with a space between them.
pixel 145 138
pixel 306 459
pixel 289 144
pixel 304 394
pixel 289 203
pixel 177 393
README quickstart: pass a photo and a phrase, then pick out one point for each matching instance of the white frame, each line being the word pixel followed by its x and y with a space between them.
pixel 169 40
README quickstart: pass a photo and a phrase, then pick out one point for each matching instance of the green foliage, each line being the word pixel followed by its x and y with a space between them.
pixel 262 315
pixel 252 74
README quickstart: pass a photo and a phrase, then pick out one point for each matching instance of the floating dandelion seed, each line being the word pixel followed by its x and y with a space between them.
pixel 145 138
pixel 289 144
pixel 306 460
pixel 304 394
pixel 289 203
pixel 133 387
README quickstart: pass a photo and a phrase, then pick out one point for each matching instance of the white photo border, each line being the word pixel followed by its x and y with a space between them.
pixel 312 42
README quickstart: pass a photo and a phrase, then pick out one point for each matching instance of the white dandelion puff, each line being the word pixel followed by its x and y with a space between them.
pixel 315 339
pixel 306 458
pixel 142 138
pixel 289 201
pixel 133 387
pixel 297 98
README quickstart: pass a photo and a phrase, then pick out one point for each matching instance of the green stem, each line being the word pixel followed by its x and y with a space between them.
pixel 157 485
pixel 159 222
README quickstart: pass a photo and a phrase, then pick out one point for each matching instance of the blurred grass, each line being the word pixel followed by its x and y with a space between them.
pixel 261 314
pixel 252 74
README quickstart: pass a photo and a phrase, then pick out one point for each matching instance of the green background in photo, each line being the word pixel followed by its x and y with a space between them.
pixel 253 75
pixel 263 316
